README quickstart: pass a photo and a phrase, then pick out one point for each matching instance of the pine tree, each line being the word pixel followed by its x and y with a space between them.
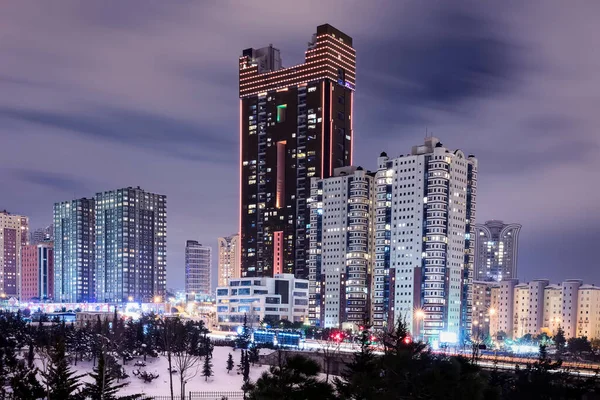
pixel 243 338
pixel 229 363
pixel 60 380
pixel 560 341
pixel 207 371
pixel 24 383
pixel 103 386
pixel 246 370
pixel 361 378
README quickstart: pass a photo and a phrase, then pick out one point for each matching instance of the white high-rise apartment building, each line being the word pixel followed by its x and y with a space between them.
pixel 496 250
pixel 425 210
pixel 341 248
pixel 228 248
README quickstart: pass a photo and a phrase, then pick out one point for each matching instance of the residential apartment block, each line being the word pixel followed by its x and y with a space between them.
pixel 341 248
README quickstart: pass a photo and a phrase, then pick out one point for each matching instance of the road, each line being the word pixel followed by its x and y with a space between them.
pixel 486 361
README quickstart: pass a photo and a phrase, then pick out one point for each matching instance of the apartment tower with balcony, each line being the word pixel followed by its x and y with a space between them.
pixel 425 211
pixel 341 248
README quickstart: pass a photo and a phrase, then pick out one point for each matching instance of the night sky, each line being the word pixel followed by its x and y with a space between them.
pixel 107 94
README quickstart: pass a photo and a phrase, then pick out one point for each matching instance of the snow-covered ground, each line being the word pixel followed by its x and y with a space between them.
pixel 220 381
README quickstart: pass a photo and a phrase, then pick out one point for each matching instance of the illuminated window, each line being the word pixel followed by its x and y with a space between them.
pixel 281 112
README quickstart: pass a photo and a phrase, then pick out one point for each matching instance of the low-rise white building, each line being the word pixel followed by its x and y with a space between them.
pixel 265 298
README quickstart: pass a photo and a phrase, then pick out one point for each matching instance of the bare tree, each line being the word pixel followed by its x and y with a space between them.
pixel 168 342
pixel 187 364
pixel 329 349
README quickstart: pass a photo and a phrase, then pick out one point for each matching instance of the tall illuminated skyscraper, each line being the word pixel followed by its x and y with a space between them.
pixel 74 251
pixel 131 239
pixel 295 124
pixel 496 250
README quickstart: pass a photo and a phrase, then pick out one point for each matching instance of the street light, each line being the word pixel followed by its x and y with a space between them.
pixel 130 298
pixel 157 299
pixel 420 316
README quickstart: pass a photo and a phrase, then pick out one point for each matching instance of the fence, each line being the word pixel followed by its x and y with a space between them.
pixel 224 395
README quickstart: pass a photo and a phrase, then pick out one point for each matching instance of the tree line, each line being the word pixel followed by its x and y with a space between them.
pixel 409 370
pixel 39 360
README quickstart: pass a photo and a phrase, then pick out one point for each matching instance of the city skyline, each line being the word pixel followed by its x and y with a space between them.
pixel 103 112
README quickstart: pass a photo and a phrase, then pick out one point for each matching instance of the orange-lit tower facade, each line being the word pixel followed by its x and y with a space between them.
pixel 295 124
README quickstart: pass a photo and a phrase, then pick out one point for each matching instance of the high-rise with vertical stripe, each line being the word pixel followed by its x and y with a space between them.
pixel 295 124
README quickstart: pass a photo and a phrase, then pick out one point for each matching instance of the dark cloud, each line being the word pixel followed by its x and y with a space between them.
pixel 545 124
pixel 178 138
pixel 454 54
pixel 59 182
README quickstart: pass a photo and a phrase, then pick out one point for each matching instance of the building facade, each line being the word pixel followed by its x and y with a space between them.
pixel 198 263
pixel 42 235
pixel 131 237
pixel 74 251
pixel 540 307
pixel 552 309
pixel 588 310
pixel 496 251
pixel 341 248
pixel 570 303
pixel 424 253
pixel 295 124
pixel 14 233
pixel 484 311
pixel 262 299
pixel 228 265
pixel 37 271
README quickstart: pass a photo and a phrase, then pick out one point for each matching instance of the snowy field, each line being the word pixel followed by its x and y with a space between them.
pixel 220 381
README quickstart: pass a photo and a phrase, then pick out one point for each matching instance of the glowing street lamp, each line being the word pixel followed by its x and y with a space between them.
pixel 157 299
pixel 130 298
pixel 420 316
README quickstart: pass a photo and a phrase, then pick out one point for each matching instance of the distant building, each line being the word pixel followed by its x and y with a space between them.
pixel 14 233
pixel 341 241
pixel 37 272
pixel 506 307
pixel 131 251
pixel 570 304
pixel 588 310
pixel 198 263
pixel 271 299
pixel 539 307
pixel 42 235
pixel 228 265
pixel 552 308
pixel 496 251
pixel 484 311
pixel 74 251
